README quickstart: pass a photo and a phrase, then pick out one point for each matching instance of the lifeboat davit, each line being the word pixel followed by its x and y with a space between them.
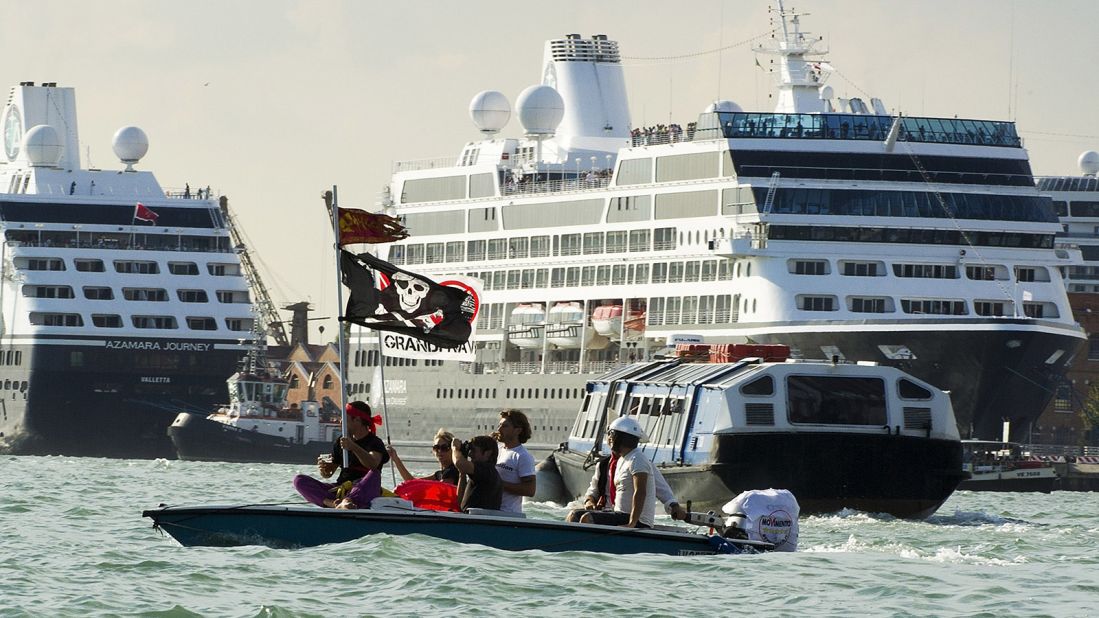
pixel 526 326
pixel 566 328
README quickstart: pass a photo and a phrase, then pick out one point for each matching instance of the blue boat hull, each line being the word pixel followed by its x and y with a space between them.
pixel 282 526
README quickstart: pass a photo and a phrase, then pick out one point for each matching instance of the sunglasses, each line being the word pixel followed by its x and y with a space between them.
pixel 439 448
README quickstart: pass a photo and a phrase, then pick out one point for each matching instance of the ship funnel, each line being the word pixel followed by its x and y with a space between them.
pixel 588 75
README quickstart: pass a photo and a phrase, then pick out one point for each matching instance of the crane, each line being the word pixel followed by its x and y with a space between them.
pixel 268 313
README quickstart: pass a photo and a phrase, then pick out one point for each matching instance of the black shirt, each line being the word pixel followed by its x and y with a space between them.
pixel 448 474
pixel 484 489
pixel 355 470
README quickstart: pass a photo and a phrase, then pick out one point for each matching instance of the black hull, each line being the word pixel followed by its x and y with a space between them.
pixel 903 476
pixel 197 439
pixel 1041 485
pixel 115 403
pixel 992 375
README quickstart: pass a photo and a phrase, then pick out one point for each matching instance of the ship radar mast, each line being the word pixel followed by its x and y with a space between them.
pixel 800 78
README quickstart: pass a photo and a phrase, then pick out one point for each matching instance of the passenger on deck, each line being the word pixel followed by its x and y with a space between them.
pixel 601 493
pixel 480 486
pixel 515 464
pixel 634 480
pixel 441 447
pixel 361 481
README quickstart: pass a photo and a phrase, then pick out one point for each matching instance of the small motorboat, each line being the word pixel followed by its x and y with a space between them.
pixel 1003 466
pixel 308 526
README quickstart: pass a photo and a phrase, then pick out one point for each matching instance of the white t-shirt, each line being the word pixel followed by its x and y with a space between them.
pixel 513 464
pixel 628 465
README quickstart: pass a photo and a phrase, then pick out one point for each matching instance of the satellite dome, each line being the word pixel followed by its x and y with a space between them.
pixel 43 145
pixel 540 110
pixel 1089 163
pixel 490 111
pixel 129 145
pixel 724 105
pixel 825 93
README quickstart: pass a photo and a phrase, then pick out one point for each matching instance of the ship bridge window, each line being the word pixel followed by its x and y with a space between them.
pixel 98 293
pixel 761 386
pixel 183 268
pixel 908 389
pixel 192 296
pixel 498 249
pixel 136 267
pixel 617 241
pixel 154 321
pixel 926 271
pixel 808 267
pixel 994 308
pixel 107 321
pixel 518 248
pixel 1040 310
pixel 242 325
pixel 836 400
pixel 39 318
pixel 475 250
pixel 1085 208
pixel 933 306
pixel 89 266
pixel 1031 273
pixel 47 291
pixel 232 296
pixel 145 294
pixel 202 323
pixel 862 269
pixel 870 304
pixel 807 302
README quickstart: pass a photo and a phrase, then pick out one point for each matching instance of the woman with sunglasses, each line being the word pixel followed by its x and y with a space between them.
pixel 441 447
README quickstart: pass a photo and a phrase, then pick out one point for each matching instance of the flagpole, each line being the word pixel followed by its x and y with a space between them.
pixel 331 201
pixel 385 404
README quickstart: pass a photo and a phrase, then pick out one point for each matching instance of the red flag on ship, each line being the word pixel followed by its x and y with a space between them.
pixel 359 226
pixel 143 213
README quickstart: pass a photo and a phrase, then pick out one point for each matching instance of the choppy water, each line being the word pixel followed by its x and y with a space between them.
pixel 73 543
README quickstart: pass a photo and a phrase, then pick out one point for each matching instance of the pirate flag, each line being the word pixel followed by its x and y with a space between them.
pixel 406 303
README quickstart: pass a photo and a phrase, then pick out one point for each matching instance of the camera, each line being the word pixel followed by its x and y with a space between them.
pixel 466 448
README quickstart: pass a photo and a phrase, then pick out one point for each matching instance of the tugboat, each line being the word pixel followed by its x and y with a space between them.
pixel 257 425
pixel 836 434
pixel 1003 466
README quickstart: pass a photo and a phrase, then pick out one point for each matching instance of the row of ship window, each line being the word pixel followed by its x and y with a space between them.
pixel 523 247
pixel 140 267
pixel 612 274
pixel 156 322
pixel 932 306
pixel 136 294
pixel 369 358
pixel 982 272
pixel 11 357
pixel 509 393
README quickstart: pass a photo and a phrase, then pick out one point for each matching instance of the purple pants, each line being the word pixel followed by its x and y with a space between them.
pixel 315 492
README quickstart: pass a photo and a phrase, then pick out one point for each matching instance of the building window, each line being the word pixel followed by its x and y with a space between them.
pixel 327 383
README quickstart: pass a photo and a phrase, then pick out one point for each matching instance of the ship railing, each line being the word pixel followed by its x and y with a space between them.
pixel 423 164
pixel 141 241
pixel 563 367
pixel 600 179
pixel 602 366
pixel 522 368
pixel 1065 450
pixel 187 193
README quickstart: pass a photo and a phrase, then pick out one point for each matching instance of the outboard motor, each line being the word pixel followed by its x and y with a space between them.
pixel 769 515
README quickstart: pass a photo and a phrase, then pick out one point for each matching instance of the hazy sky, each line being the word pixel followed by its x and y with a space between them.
pixel 270 102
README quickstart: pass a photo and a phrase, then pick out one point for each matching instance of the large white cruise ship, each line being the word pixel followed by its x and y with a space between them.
pixel 830 225
pixel 122 304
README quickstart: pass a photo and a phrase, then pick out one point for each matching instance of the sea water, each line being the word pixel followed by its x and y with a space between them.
pixel 73 543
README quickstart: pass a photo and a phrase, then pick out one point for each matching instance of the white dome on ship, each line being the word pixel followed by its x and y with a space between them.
pixel 43 145
pixel 490 111
pixel 541 109
pixel 1089 163
pixel 129 145
pixel 723 105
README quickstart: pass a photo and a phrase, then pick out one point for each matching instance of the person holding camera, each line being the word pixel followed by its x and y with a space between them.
pixel 515 464
pixel 480 486
pixel 359 482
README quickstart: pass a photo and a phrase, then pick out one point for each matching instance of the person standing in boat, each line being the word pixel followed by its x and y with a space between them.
pixel 634 480
pixel 601 493
pixel 442 449
pixel 515 464
pixel 480 486
pixel 359 482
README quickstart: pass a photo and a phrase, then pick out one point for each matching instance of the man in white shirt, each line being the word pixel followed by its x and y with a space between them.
pixel 634 480
pixel 514 463
pixel 600 495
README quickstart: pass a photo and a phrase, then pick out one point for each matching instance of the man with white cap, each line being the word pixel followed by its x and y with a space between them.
pixel 633 478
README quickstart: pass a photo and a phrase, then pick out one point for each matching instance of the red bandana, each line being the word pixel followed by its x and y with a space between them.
pixel 371 421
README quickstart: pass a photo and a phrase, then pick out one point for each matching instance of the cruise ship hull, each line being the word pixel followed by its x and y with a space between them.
pixel 197 439
pixel 115 402
pixel 903 476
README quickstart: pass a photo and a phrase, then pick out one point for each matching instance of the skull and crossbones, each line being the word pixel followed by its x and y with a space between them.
pixel 410 290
